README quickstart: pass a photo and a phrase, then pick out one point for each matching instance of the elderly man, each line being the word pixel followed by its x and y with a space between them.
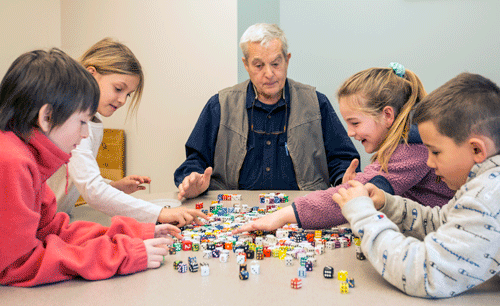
pixel 268 132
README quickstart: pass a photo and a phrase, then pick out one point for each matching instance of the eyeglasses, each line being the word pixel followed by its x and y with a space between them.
pixel 271 133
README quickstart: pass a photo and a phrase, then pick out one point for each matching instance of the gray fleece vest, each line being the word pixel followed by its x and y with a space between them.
pixel 304 138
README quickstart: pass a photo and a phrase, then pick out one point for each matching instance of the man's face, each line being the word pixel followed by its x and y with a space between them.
pixel 267 68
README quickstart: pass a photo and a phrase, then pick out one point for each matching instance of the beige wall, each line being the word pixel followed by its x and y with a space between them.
pixel 187 50
pixel 26 25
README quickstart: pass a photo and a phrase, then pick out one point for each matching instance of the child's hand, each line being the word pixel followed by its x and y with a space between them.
pixel 131 183
pixel 181 216
pixel 376 194
pixel 156 250
pixel 194 184
pixel 269 222
pixel 345 195
pixel 350 173
pixel 167 230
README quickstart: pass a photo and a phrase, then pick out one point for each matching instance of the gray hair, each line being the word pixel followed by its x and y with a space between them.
pixel 263 33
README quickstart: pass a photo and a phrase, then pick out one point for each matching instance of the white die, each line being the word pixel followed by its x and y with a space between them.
pixel 207 254
pixel 223 257
pixel 330 245
pixel 205 269
pixel 288 260
pixel 255 268
pixel 320 249
pixel 240 259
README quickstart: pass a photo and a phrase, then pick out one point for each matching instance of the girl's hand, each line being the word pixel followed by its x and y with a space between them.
pixel 345 195
pixel 167 230
pixel 131 183
pixel 269 222
pixel 181 216
pixel 377 195
pixel 350 173
pixel 156 250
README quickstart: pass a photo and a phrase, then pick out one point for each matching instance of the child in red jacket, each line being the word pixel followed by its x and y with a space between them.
pixel 46 101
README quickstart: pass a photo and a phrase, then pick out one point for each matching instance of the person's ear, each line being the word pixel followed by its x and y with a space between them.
pixel 480 148
pixel 92 70
pixel 388 116
pixel 288 58
pixel 245 63
pixel 44 118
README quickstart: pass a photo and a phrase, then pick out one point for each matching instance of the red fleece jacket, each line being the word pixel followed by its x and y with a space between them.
pixel 38 245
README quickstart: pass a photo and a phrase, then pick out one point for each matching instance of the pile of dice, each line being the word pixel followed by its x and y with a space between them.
pixel 288 243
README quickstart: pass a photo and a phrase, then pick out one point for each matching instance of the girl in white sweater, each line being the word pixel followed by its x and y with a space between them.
pixel 120 78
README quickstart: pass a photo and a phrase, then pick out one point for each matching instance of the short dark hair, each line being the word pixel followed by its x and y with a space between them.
pixel 465 105
pixel 42 77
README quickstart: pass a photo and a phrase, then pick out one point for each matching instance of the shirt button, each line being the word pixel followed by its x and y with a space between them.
pixel 268 142
pixel 268 169
pixel 268 116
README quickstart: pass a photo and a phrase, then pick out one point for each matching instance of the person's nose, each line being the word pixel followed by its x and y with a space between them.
pixel 85 131
pixel 268 71
pixel 430 162
pixel 350 132
pixel 122 99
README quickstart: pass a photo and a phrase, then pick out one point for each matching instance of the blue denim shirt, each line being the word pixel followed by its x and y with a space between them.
pixel 267 164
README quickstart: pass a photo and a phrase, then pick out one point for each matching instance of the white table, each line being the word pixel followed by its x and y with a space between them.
pixel 165 286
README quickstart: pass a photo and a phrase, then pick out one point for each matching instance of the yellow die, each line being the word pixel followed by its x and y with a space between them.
pixel 342 275
pixel 282 254
pixel 344 288
pixel 275 252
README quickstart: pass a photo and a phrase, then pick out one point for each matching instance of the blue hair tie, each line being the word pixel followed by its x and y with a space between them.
pixel 398 69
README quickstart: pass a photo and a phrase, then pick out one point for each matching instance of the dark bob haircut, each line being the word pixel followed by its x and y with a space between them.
pixel 42 77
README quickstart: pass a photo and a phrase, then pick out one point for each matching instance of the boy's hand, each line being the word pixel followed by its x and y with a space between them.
pixel 350 173
pixel 269 222
pixel 345 195
pixel 131 183
pixel 156 250
pixel 377 195
pixel 181 216
pixel 194 184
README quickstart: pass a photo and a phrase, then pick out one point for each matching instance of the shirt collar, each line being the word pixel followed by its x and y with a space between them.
pixel 252 96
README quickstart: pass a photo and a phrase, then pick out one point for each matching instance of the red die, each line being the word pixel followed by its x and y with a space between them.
pixel 267 252
pixel 187 245
pixel 199 205
pixel 310 237
pixel 296 283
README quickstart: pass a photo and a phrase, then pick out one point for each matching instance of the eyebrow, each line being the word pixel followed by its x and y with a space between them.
pixel 278 57
pixel 125 86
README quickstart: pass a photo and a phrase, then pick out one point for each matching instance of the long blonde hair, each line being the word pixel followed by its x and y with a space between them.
pixel 109 56
pixel 381 87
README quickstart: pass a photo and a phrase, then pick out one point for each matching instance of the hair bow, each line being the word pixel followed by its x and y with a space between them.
pixel 399 69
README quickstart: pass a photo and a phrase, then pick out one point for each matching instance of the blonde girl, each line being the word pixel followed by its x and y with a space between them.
pixel 121 80
pixel 376 104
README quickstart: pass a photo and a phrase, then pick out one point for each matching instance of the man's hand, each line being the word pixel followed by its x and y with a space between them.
pixel 131 183
pixel 350 173
pixel 194 184
pixel 345 195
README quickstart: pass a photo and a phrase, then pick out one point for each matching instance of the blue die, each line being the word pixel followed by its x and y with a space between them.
pixel 244 274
